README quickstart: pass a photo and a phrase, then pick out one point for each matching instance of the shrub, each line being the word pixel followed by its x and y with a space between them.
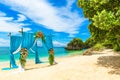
pixel 98 47
pixel 116 48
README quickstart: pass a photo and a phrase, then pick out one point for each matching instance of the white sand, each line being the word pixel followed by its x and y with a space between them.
pixel 68 68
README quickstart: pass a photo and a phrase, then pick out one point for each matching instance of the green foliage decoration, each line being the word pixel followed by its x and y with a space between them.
pixel 23 56
pixel 51 56
pixel 51 59
pixel 39 34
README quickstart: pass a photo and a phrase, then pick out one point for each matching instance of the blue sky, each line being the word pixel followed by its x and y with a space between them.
pixel 61 18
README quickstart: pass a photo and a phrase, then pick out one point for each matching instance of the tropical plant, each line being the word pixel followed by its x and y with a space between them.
pixel 75 44
pixel 90 42
pixel 104 16
pixel 98 47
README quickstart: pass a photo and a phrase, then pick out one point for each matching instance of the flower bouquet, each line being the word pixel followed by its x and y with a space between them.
pixel 40 35
pixel 23 56
pixel 51 56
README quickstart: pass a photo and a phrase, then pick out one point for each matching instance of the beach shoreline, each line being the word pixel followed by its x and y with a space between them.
pixel 75 67
pixel 44 59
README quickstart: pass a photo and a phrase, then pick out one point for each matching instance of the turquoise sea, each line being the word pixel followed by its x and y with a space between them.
pixel 59 51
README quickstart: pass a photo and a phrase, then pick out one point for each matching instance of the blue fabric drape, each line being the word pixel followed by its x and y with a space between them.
pixel 48 42
pixel 27 40
pixel 37 60
pixel 15 42
pixel 34 50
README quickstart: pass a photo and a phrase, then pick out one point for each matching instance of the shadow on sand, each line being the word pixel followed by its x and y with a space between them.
pixel 38 67
pixel 112 62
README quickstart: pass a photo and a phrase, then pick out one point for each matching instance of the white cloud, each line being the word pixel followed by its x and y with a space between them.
pixel 59 44
pixel 85 33
pixel 69 4
pixel 2 14
pixel 7 24
pixel 4 42
pixel 21 18
pixel 40 11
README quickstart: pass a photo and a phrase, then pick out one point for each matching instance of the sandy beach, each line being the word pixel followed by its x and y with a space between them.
pixel 103 66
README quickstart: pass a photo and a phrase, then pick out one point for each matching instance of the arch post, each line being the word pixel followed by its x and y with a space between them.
pixel 37 60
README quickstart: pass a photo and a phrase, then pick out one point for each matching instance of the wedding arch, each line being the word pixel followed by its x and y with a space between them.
pixel 28 41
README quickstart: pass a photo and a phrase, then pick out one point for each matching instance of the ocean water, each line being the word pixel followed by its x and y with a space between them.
pixel 59 51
